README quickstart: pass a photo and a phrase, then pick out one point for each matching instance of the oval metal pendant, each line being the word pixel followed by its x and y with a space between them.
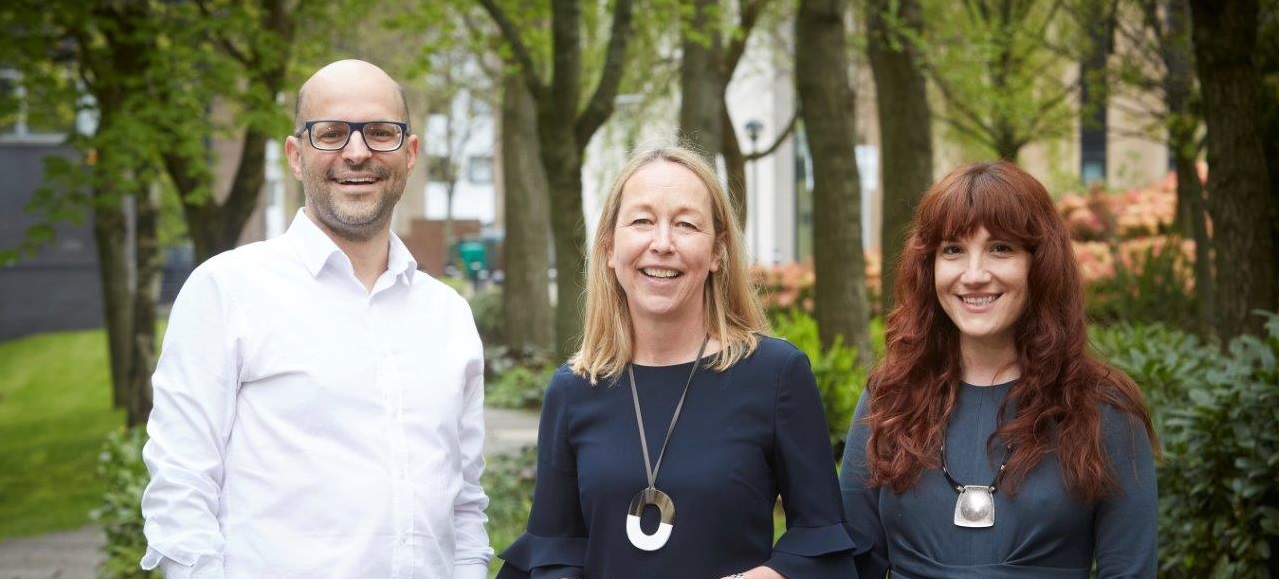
pixel 664 504
pixel 975 507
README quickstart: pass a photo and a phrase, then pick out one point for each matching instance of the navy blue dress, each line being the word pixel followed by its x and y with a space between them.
pixel 1040 533
pixel 745 436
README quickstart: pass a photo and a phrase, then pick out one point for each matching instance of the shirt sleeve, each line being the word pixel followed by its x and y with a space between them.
pixel 472 551
pixel 194 385
pixel 554 544
pixel 861 504
pixel 817 541
pixel 1126 524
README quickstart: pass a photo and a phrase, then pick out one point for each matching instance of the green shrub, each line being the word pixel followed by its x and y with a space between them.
pixel 508 481
pixel 120 465
pixel 486 307
pixel 516 377
pixel 459 284
pixel 1165 362
pixel 839 378
pixel 1216 415
pixel 520 387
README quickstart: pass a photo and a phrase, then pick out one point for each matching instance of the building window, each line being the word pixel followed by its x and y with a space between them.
pixel 1092 113
pixel 480 170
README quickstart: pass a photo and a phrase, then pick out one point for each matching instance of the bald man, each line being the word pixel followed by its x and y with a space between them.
pixel 319 401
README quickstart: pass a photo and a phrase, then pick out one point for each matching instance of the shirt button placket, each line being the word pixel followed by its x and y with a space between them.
pixel 389 383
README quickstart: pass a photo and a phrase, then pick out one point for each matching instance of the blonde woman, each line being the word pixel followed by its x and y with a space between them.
pixel 666 440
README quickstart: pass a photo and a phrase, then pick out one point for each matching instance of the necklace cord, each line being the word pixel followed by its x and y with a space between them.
pixel 652 470
pixel 1008 451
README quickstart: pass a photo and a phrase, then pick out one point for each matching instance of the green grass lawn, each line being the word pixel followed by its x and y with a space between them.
pixel 55 409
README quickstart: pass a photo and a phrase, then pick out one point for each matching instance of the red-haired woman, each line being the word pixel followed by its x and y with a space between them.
pixel 989 442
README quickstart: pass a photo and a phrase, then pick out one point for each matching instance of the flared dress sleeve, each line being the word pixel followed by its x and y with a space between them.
pixel 554 543
pixel 861 503
pixel 1126 525
pixel 817 542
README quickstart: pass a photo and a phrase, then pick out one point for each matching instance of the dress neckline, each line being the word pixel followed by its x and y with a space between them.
pixel 963 384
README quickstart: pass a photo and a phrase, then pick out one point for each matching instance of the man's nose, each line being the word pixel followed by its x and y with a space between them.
pixel 356 150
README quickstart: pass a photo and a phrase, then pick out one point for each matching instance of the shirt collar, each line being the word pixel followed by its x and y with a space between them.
pixel 316 248
pixel 400 260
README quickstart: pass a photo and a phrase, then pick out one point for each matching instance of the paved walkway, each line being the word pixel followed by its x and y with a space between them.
pixel 76 554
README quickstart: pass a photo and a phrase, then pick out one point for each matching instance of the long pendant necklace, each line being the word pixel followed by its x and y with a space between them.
pixel 975 506
pixel 650 495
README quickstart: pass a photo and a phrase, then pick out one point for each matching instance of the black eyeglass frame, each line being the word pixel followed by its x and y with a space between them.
pixel 354 126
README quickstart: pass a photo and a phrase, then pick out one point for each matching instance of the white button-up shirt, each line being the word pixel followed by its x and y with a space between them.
pixel 305 427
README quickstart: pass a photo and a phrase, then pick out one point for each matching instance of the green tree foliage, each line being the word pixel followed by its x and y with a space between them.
pixel 1002 69
pixel 152 73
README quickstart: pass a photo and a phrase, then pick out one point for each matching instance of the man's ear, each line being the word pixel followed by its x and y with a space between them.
pixel 293 152
pixel 412 144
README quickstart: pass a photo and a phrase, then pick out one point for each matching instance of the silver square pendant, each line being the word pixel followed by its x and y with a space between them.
pixel 975 507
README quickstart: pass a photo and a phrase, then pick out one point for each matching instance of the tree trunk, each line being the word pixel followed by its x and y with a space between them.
pixel 526 300
pixel 905 125
pixel 1268 66
pixel 1225 36
pixel 1183 124
pixel 730 147
pixel 734 167
pixel 449 238
pixel 146 294
pixel 701 81
pixel 1191 204
pixel 118 69
pixel 564 131
pixel 1007 145
pixel 110 234
pixel 562 159
pixel 827 102
pixel 216 226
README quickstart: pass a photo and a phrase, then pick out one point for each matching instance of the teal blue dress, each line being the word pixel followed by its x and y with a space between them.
pixel 1040 533
pixel 745 436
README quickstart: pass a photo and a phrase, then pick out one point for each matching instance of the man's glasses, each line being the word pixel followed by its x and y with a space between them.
pixel 380 136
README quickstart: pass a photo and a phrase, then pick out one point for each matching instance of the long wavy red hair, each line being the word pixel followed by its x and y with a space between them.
pixel 1059 395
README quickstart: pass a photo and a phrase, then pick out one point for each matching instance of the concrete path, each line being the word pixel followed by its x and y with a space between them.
pixel 65 555
pixel 507 431
pixel 77 554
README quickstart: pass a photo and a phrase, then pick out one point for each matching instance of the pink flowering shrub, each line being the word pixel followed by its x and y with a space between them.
pixel 1134 266
pixel 789 286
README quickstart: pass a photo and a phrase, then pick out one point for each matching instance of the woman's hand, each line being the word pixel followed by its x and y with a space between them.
pixel 760 572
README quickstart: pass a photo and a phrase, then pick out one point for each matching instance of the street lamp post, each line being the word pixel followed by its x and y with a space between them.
pixel 753 128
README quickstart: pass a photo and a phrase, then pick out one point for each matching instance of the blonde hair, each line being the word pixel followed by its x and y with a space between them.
pixel 730 306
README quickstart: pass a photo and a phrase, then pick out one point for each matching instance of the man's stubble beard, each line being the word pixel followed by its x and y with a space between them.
pixel 341 222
